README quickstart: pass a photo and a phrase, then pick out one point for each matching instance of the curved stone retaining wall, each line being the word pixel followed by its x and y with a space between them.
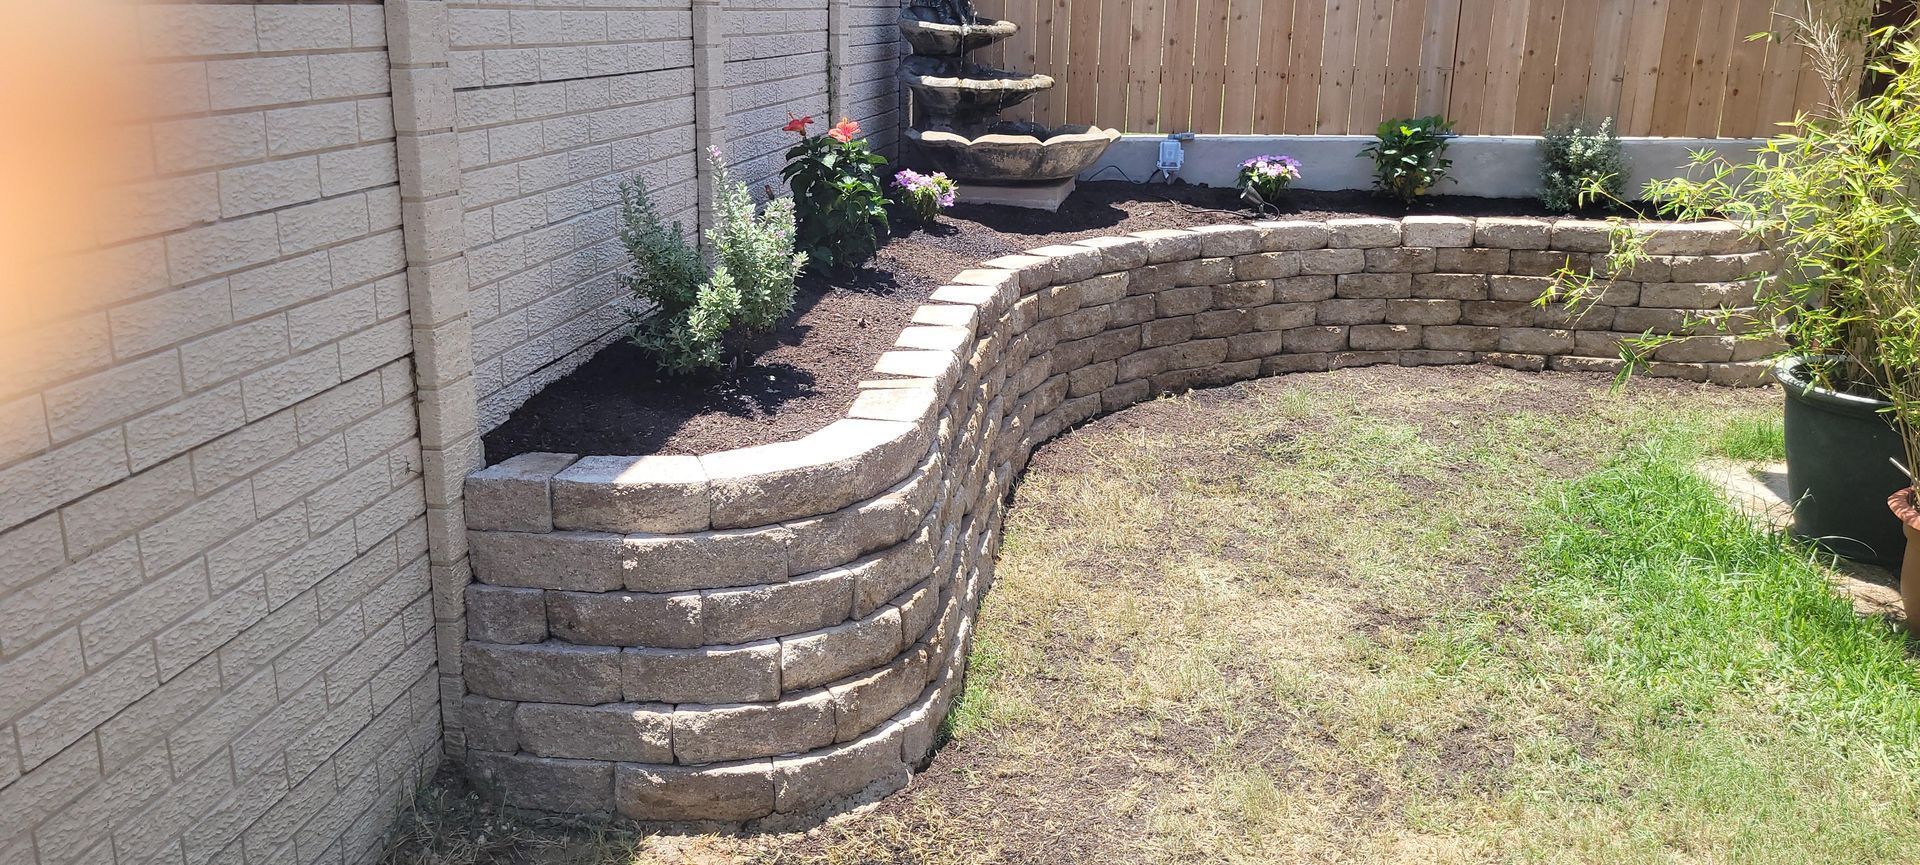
pixel 770 630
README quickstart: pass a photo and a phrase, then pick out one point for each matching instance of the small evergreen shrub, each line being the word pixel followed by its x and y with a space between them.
pixel 1575 158
pixel 927 194
pixel 841 208
pixel 687 312
pixel 755 252
pixel 1264 178
pixel 1410 156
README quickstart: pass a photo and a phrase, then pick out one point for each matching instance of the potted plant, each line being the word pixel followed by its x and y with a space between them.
pixel 1835 200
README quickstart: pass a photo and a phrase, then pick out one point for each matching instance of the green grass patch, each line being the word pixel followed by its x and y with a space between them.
pixel 1752 439
pixel 1743 709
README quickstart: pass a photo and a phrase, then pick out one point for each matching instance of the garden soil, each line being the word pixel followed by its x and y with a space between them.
pixel 805 374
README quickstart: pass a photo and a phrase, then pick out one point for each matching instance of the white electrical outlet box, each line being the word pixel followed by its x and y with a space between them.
pixel 1172 156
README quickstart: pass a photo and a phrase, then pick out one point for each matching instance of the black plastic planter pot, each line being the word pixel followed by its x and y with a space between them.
pixel 1839 473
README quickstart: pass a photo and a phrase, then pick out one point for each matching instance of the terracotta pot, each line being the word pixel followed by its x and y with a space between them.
pixel 1907 509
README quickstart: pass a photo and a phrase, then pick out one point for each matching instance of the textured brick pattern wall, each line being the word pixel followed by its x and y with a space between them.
pixel 215 635
pixel 869 90
pixel 760 634
pixel 557 102
pixel 776 65
pixel 555 105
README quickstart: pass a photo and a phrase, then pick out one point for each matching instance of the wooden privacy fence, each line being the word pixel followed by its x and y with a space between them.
pixel 1660 67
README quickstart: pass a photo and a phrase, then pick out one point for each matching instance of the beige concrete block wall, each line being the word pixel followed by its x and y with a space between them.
pixel 215 631
pixel 555 105
pixel 557 102
pixel 776 66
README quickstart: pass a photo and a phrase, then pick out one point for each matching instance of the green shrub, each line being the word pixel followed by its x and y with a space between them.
pixel 687 312
pixel 1410 156
pixel 1576 158
pixel 837 194
pixel 754 252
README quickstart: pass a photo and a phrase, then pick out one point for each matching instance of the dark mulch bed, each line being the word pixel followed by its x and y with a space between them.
pixel 805 374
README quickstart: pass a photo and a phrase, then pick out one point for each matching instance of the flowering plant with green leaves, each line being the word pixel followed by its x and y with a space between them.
pixel 927 194
pixel 1263 178
pixel 840 205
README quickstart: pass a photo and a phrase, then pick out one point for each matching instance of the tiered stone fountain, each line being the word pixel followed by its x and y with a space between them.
pixel 957 103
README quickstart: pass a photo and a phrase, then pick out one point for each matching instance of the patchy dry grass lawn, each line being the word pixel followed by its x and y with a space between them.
pixel 1387 615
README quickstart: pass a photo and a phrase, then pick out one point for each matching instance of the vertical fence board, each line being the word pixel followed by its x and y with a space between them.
pixel 1741 110
pixel 1083 57
pixel 1020 53
pixel 1341 38
pixel 1781 79
pixel 1145 36
pixel 1506 52
pixel 1575 60
pixel 1467 107
pixel 1711 54
pixel 1303 86
pixel 1645 35
pixel 1116 19
pixel 1536 66
pixel 1276 63
pixel 1209 64
pixel 1608 73
pixel 1366 106
pixel 1438 45
pixel 1403 70
pixel 1244 30
pixel 1176 69
pixel 1670 101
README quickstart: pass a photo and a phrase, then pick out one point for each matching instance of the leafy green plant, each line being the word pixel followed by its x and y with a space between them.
pixel 755 252
pixel 837 192
pixel 1410 156
pixel 686 312
pixel 1575 157
pixel 1835 200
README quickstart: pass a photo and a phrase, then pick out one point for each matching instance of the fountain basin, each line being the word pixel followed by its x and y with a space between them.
pixel 934 38
pixel 1001 158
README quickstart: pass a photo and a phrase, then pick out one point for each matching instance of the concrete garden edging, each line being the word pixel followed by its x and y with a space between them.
pixel 765 634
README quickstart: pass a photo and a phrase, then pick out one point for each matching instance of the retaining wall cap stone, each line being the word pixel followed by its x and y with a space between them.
pixel 941 366
pixel 851 459
pixel 947 315
pixel 632 494
pixel 905 404
pixel 513 495
pixel 933 337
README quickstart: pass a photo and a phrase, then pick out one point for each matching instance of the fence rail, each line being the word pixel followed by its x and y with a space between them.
pixel 1660 67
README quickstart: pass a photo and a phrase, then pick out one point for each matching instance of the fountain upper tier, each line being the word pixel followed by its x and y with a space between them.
pixel 933 36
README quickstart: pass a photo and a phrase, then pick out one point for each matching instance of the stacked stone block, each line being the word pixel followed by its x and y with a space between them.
pixel 761 634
